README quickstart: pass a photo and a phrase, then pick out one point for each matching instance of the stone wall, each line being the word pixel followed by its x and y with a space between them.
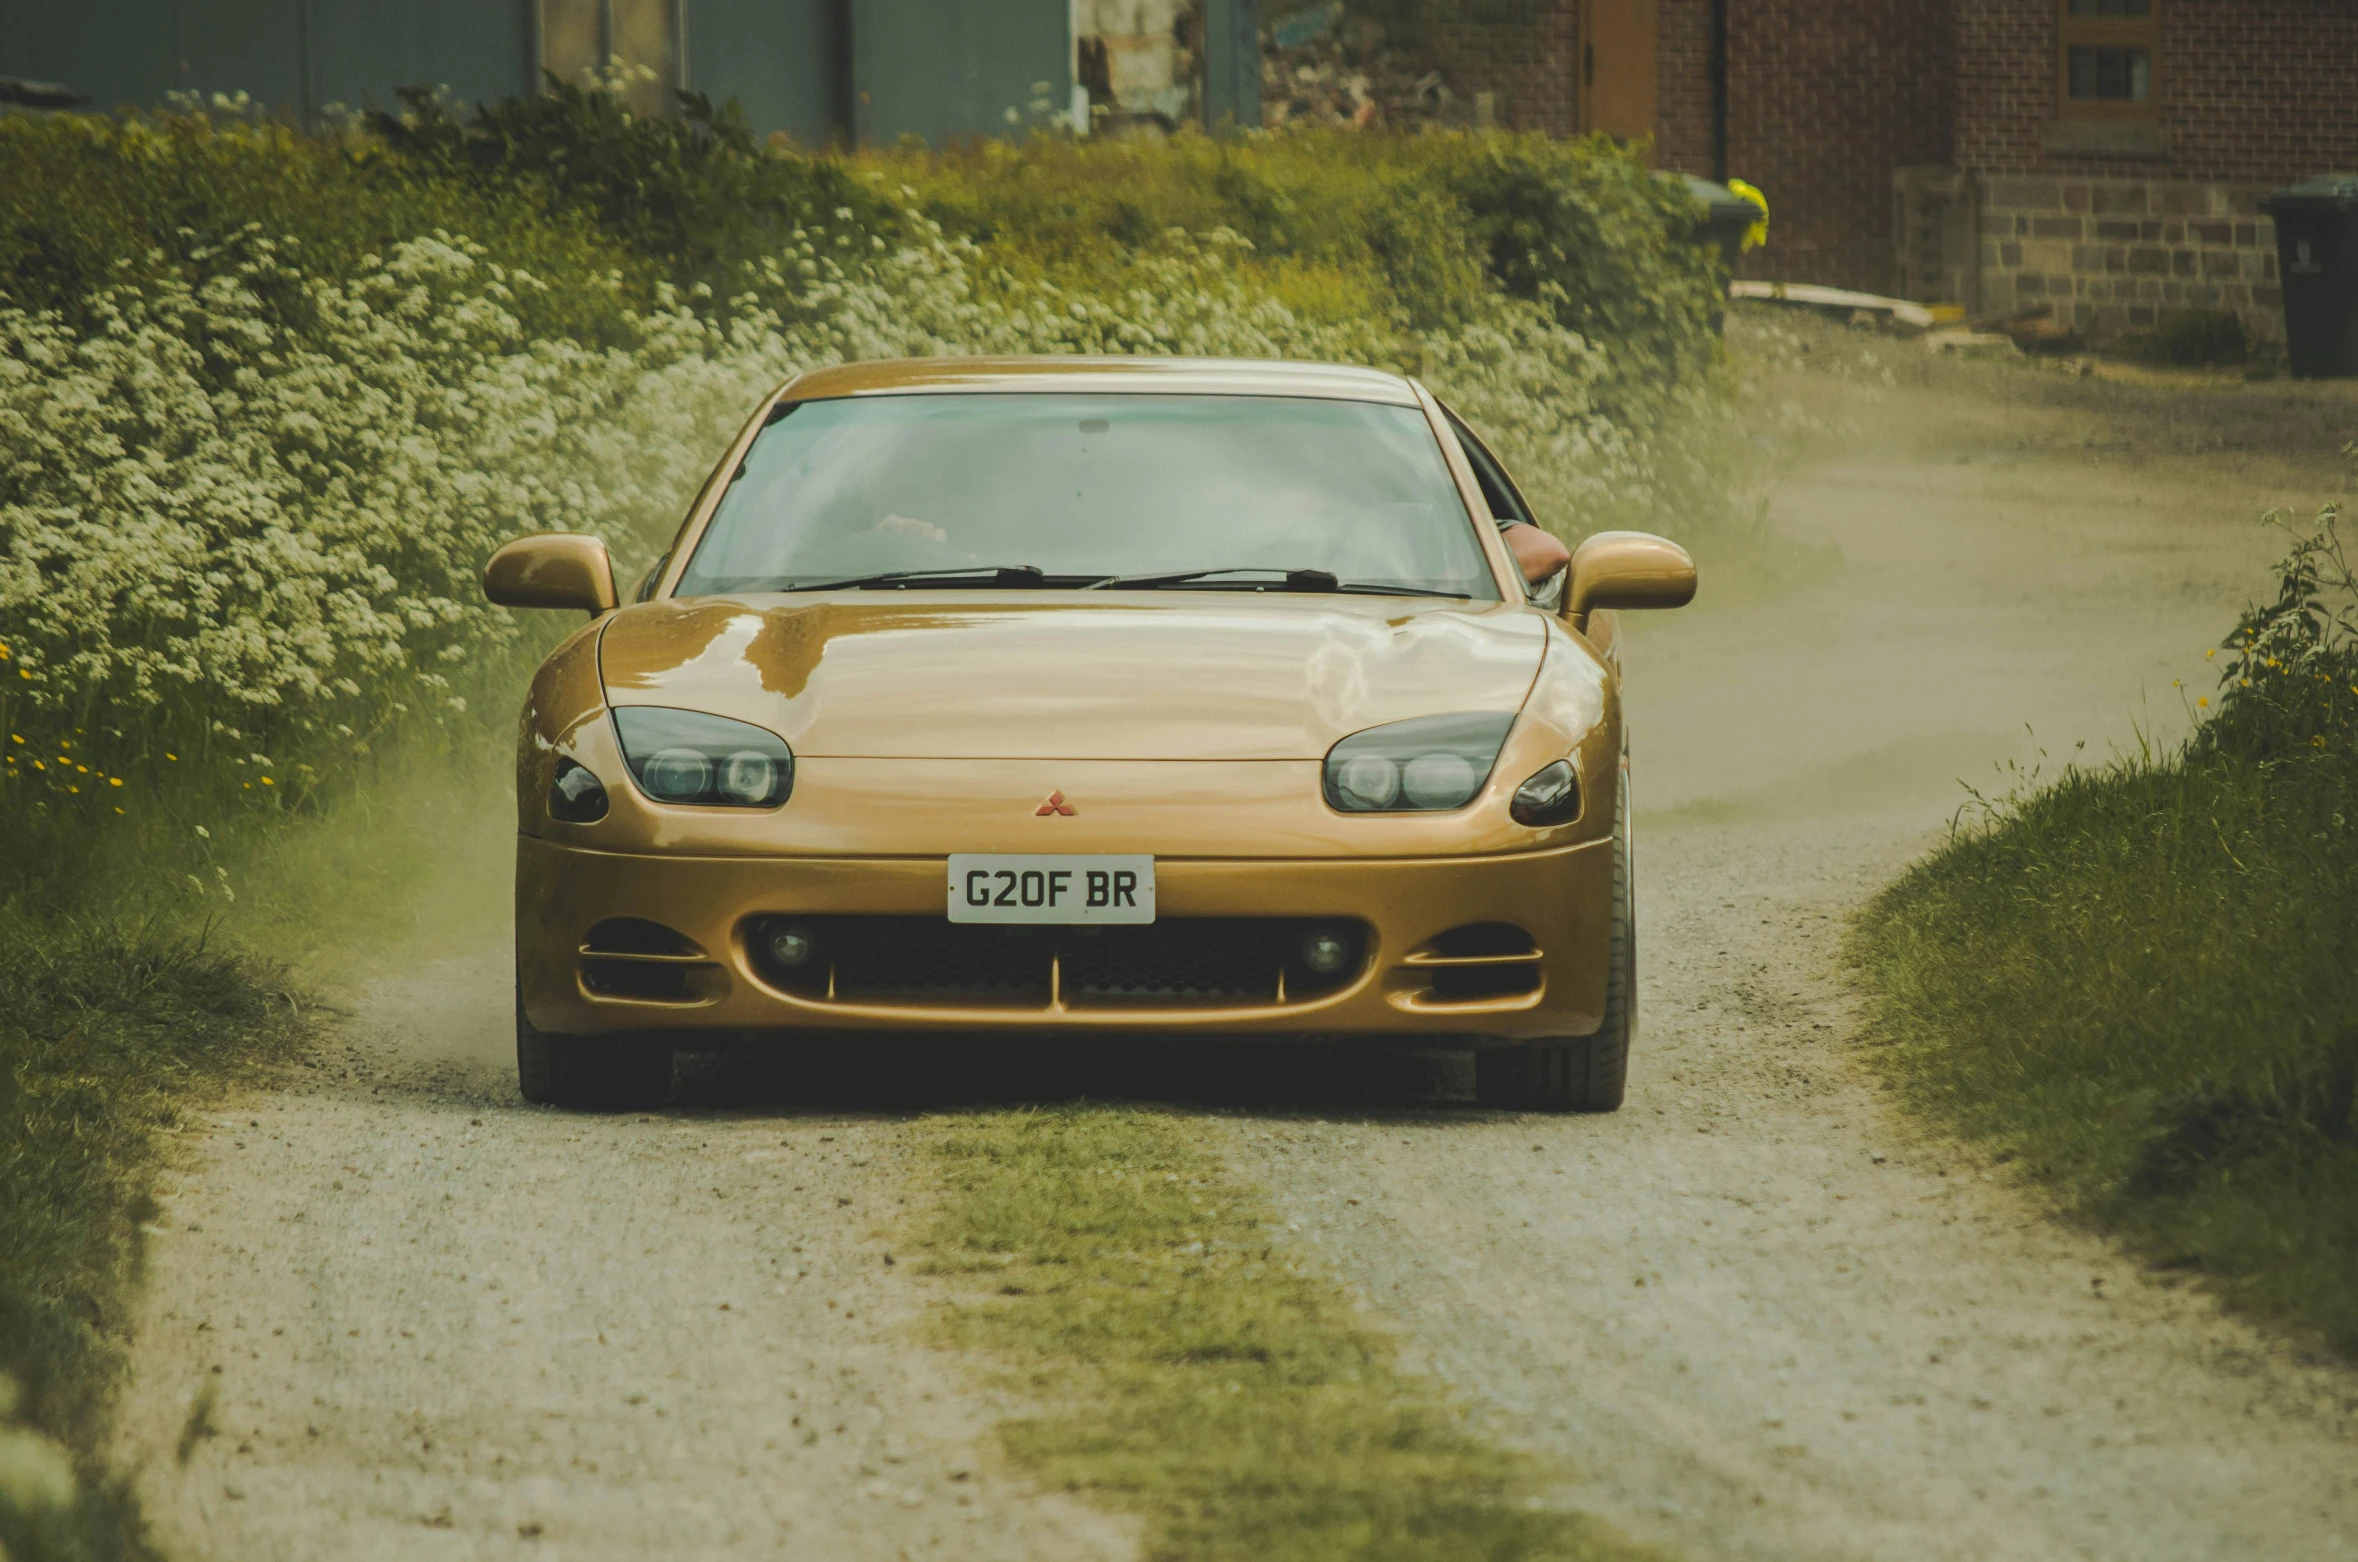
pixel 2115 255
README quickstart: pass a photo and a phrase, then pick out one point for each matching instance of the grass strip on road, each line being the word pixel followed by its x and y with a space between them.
pixel 107 1036
pixel 1193 1373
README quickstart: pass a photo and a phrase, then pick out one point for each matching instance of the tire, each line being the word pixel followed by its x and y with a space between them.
pixel 1580 1073
pixel 597 1073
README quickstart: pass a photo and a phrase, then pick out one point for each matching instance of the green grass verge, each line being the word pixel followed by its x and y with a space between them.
pixel 1196 1376
pixel 2143 981
pixel 106 1038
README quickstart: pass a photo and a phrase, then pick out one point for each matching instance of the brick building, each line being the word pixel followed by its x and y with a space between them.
pixel 2100 157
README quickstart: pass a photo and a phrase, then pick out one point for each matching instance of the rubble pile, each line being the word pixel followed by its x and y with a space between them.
pixel 1322 65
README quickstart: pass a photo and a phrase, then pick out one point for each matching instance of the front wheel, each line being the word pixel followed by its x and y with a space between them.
pixel 599 1073
pixel 1579 1073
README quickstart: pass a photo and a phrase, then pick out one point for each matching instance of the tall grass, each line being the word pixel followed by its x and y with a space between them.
pixel 103 1033
pixel 2143 980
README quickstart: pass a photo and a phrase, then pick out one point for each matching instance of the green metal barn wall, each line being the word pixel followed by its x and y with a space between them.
pixel 294 54
pixel 937 68
pixel 782 60
pixel 932 68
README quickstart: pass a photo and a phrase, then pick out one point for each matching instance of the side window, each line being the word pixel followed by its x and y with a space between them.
pixel 1498 489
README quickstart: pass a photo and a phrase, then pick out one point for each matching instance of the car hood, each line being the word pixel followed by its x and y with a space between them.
pixel 953 675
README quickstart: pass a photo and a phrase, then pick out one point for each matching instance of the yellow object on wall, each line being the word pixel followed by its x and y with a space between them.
pixel 1756 235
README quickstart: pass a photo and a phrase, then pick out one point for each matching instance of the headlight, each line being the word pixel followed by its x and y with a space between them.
pixel 1426 765
pixel 685 756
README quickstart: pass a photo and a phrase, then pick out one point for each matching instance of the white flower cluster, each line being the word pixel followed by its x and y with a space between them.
pixel 266 498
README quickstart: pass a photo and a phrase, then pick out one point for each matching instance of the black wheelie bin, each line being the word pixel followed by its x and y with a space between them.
pixel 2317 263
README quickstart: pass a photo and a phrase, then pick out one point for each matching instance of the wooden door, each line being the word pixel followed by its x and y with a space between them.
pixel 1617 68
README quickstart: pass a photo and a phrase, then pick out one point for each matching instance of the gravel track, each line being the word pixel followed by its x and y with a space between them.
pixel 1761 1316
pixel 438 1323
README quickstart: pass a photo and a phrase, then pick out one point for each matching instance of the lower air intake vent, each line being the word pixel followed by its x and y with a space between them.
pixel 1203 962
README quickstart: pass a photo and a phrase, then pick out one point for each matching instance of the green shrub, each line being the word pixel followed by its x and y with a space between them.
pixel 2199 337
pixel 691 194
pixel 2191 339
pixel 1431 229
pixel 2144 979
pixel 96 203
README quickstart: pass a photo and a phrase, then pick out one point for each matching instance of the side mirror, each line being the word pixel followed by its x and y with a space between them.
pixel 552 569
pixel 1628 569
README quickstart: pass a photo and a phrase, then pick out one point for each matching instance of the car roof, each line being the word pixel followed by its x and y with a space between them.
pixel 1161 376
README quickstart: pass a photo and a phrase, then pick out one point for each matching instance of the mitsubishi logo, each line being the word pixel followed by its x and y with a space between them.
pixel 1055 805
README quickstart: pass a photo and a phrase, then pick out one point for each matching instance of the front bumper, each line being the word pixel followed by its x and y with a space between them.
pixel 1561 899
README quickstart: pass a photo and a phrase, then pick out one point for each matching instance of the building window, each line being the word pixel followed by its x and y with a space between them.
pixel 2106 58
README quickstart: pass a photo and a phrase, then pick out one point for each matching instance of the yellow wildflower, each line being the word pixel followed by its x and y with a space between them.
pixel 266 781
pixel 114 781
pixel 2204 702
pixel 2213 651
pixel 175 758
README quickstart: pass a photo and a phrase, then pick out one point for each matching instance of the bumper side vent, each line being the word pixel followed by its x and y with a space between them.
pixel 633 958
pixel 637 936
pixel 1481 963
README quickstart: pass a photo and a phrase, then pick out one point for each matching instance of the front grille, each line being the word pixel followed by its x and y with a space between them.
pixel 1208 962
pixel 929 957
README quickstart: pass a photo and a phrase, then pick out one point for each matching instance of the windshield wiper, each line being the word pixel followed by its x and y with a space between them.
pixel 1012 575
pixel 1295 580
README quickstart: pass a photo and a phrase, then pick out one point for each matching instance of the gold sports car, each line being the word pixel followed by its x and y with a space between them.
pixel 1106 696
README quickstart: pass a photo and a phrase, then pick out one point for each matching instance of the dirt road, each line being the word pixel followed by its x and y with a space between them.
pixel 424 1321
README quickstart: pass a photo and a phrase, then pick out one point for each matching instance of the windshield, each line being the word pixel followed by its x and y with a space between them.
pixel 1085 487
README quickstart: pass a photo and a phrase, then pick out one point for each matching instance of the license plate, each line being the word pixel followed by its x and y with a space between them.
pixel 1059 887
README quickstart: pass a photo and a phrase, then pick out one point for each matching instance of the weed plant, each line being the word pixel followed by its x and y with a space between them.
pixel 1190 1373
pixel 2143 979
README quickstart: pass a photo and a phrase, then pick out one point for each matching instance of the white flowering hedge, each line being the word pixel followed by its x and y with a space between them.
pixel 248 516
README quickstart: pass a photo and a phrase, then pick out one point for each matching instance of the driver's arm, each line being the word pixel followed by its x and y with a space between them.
pixel 1536 552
